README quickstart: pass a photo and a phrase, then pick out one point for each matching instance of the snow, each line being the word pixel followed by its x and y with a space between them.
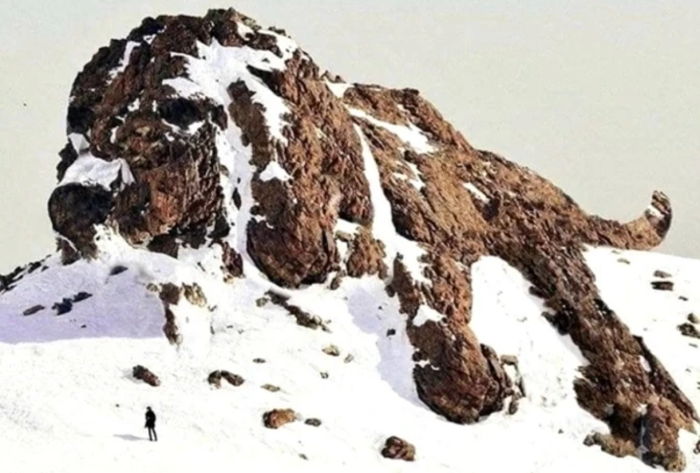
pixel 425 314
pixel 90 170
pixel 476 192
pixel 274 171
pixel 411 135
pixel 124 61
pixel 338 88
pixel 383 226
pixel 74 399
pixel 416 180
pixel 218 66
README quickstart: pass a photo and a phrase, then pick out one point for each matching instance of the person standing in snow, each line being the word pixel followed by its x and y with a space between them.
pixel 151 424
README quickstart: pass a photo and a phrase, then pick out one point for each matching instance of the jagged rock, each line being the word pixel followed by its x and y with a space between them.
pixel 276 418
pixel 398 449
pixel 63 307
pixel 33 309
pixel 313 422
pixel 215 378
pixel 144 374
pixel 331 350
pixel 662 285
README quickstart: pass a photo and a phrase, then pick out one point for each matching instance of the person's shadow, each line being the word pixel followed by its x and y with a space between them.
pixel 131 438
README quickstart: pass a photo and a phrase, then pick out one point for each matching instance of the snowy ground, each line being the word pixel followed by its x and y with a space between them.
pixel 68 402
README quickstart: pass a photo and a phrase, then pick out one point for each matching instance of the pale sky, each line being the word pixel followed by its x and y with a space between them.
pixel 602 99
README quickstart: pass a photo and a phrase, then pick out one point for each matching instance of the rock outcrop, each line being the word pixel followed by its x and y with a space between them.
pixel 217 136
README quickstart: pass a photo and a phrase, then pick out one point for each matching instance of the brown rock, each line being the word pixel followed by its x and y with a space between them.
pixel 302 317
pixel 215 378
pixel 276 418
pixel 662 285
pixel 689 330
pixel 398 449
pixel 144 374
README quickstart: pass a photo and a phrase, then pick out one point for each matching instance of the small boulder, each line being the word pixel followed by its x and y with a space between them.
pixel 63 307
pixel 661 274
pixel 331 350
pixel 81 296
pixel 689 330
pixel 144 374
pixel 693 319
pixel 215 378
pixel 662 285
pixel 270 387
pixel 313 422
pixel 276 418
pixel 259 360
pixel 33 309
pixel 398 449
pixel 118 269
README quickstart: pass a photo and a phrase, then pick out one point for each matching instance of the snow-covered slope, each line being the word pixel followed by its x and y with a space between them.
pixel 69 402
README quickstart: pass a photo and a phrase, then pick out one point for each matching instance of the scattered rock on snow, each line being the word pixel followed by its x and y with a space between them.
pixel 33 309
pixel 398 449
pixel 261 301
pixel 194 294
pixel 276 418
pixel 215 378
pixel 661 274
pixel 81 296
pixel 331 350
pixel 63 307
pixel 662 285
pixel 313 422
pixel 349 358
pixel 144 374
pixel 118 269
pixel 270 387
pixel 302 317
pixel 693 319
pixel 259 360
pixel 689 330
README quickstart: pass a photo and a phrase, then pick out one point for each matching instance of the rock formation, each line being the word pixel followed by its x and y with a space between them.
pixel 214 134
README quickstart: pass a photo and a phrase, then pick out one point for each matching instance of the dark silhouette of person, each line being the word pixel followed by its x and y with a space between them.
pixel 151 424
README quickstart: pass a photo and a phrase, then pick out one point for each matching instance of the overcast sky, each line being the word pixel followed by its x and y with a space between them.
pixel 603 100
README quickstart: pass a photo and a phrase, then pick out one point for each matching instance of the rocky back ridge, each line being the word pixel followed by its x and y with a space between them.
pixel 221 143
